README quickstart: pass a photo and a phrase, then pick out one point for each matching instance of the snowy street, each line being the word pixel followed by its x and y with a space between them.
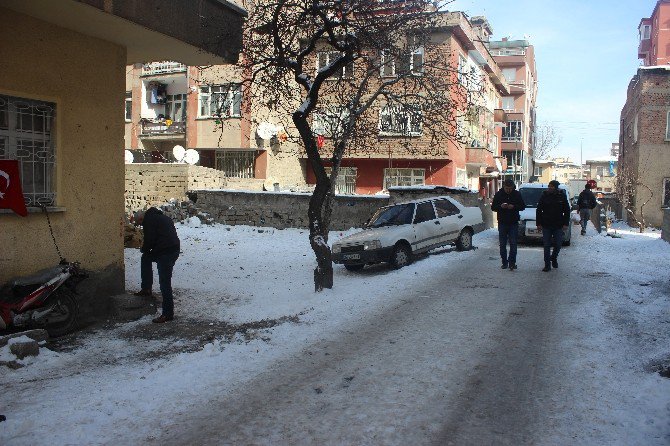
pixel 449 350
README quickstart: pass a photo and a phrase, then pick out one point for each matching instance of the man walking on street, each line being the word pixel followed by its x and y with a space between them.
pixel 507 203
pixel 552 216
pixel 585 203
pixel 161 245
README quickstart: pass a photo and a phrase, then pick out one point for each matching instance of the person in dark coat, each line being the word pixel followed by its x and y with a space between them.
pixel 585 203
pixel 507 203
pixel 161 245
pixel 552 216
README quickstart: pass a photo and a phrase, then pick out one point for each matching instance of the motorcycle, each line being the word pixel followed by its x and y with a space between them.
pixel 43 300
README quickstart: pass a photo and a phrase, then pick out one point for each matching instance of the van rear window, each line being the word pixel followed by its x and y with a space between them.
pixel 531 195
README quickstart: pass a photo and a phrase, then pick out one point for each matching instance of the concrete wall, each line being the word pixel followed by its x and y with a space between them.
pixel 84 77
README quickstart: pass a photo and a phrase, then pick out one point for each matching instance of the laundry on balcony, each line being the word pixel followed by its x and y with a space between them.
pixel 161 126
pixel 158 92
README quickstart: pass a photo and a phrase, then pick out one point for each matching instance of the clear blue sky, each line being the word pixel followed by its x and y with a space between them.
pixel 586 54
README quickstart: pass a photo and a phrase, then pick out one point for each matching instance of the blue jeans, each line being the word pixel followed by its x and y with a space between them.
pixel 551 236
pixel 164 263
pixel 584 216
pixel 508 231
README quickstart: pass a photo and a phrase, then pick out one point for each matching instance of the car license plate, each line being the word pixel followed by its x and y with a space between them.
pixel 351 256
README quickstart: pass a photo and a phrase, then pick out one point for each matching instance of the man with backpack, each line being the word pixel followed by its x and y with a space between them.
pixel 585 203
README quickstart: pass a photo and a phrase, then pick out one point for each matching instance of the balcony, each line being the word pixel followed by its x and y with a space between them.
pixel 643 48
pixel 518 86
pixel 478 156
pixel 166 67
pixel 161 129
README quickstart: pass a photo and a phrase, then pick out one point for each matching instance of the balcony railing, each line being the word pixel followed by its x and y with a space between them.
pixel 508 52
pixel 165 67
pixel 150 128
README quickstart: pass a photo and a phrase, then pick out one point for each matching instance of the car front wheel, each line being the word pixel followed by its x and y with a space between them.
pixel 401 256
pixel 464 240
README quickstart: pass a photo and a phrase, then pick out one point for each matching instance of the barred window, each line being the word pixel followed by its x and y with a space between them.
pixel 400 120
pixel 330 121
pixel 404 177
pixel 346 180
pixel 26 135
pixel 236 163
pixel 220 100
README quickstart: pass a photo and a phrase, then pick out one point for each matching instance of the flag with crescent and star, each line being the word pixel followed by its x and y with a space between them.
pixel 11 195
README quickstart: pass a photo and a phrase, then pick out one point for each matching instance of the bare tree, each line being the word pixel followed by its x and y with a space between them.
pixel 344 75
pixel 629 185
pixel 547 139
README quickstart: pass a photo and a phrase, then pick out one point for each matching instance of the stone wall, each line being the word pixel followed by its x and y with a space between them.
pixel 289 210
pixel 282 209
pixel 665 229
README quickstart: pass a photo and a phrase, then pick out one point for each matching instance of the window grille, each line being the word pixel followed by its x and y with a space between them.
pixel 220 100
pixel 26 135
pixel 346 180
pixel 404 177
pixel 400 120
pixel 236 163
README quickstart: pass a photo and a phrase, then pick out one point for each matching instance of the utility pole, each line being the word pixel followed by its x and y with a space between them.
pixel 581 162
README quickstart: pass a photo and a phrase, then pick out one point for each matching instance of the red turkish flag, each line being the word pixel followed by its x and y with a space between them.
pixel 11 195
pixel 319 141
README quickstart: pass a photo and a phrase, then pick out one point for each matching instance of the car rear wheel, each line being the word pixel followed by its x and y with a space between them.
pixel 464 240
pixel 401 256
pixel 354 267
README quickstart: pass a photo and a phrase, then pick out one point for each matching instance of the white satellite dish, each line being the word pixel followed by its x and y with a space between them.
pixel 129 157
pixel 178 153
pixel 191 156
pixel 266 130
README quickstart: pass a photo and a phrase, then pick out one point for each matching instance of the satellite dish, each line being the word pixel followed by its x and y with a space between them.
pixel 191 156
pixel 129 157
pixel 178 153
pixel 266 130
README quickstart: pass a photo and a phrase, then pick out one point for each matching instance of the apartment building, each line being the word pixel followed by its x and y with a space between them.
pixel 560 169
pixel 644 142
pixel 207 109
pixel 516 59
pixel 603 171
pixel 654 32
pixel 473 163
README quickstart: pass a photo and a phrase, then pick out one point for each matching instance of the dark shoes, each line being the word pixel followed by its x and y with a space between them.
pixel 504 265
pixel 583 232
pixel 554 263
pixel 512 266
pixel 143 293
pixel 546 268
pixel 162 319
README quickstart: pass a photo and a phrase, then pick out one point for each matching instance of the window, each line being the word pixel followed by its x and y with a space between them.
pixel 220 100
pixel 461 178
pixel 175 107
pixel 538 171
pixel 508 103
pixel 510 74
pixel 346 180
pixel 387 64
pixel 416 58
pixel 400 120
pixel 666 192
pixel 667 127
pixel 493 143
pixel 462 69
pixel 129 106
pixel 445 208
pixel 236 163
pixel 424 212
pixel 26 128
pixel 325 58
pixel 512 131
pixel 600 171
pixel 645 32
pixel 330 121
pixel 404 177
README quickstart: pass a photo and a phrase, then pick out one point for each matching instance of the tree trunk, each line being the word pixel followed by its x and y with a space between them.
pixel 318 239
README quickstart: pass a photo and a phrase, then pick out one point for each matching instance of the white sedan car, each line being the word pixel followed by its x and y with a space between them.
pixel 395 233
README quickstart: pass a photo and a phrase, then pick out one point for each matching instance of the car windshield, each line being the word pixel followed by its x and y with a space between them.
pixel 393 215
pixel 531 195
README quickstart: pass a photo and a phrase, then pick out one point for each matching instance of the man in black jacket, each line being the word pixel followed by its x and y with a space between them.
pixel 552 216
pixel 507 203
pixel 585 203
pixel 161 245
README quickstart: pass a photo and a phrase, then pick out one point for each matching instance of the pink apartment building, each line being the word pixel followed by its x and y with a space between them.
pixel 654 47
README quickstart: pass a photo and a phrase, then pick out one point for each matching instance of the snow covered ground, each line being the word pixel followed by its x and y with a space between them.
pixel 115 387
